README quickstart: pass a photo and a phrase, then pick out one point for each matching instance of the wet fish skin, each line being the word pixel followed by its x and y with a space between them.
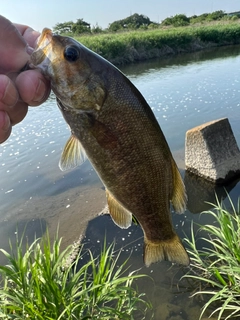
pixel 112 123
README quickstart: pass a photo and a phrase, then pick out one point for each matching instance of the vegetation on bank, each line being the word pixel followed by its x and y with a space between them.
pixel 215 268
pixel 180 20
pixel 137 38
pixel 132 46
pixel 43 283
pixel 139 21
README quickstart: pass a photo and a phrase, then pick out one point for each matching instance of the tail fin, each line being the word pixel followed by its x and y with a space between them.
pixel 179 197
pixel 171 250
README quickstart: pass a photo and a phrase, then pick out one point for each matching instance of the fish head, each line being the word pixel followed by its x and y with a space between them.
pixel 72 70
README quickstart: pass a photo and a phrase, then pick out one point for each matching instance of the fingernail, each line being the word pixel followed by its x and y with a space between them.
pixel 29 50
pixel 5 121
pixel 10 96
pixel 40 92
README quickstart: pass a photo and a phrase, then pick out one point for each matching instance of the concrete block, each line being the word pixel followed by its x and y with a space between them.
pixel 211 151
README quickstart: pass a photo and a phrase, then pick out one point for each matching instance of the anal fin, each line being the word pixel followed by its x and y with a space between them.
pixel 121 216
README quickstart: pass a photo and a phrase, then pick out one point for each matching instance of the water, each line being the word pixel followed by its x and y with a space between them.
pixel 183 91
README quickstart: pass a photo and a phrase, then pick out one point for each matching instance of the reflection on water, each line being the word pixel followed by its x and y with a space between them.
pixel 180 60
pixel 202 193
pixel 162 288
pixel 184 91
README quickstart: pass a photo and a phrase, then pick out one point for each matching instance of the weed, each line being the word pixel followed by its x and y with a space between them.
pixel 216 267
pixel 40 284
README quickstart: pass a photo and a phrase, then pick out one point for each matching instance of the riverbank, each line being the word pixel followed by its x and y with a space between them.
pixel 134 46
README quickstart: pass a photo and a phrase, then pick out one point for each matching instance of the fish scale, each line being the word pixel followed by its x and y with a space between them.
pixel 114 126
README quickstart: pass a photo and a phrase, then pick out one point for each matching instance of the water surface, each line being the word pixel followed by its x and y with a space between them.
pixel 183 91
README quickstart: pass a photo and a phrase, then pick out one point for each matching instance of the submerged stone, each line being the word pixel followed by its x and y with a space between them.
pixel 211 151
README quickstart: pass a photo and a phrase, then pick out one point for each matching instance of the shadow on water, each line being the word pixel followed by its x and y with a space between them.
pixel 202 194
pixel 102 227
pixel 162 287
pixel 167 292
pixel 183 59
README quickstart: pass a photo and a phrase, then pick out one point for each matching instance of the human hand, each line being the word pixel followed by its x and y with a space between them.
pixel 18 90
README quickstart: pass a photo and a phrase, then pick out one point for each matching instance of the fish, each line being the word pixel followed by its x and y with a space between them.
pixel 113 126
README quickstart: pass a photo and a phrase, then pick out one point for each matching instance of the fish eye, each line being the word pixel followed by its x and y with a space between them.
pixel 71 53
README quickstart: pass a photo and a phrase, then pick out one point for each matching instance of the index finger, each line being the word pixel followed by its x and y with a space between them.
pixel 28 34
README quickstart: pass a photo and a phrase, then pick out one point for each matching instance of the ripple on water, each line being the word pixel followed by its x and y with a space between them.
pixel 183 92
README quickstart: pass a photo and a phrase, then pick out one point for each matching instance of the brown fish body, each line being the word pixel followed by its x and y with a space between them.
pixel 122 139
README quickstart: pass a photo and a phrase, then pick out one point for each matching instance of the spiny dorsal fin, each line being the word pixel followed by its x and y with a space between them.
pixel 179 196
pixel 171 250
pixel 73 154
pixel 121 216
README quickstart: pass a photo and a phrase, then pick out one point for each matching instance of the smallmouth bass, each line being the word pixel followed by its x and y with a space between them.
pixel 112 124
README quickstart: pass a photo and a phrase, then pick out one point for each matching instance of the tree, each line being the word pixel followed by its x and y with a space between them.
pixel 115 26
pixel 81 26
pixel 179 20
pixel 132 22
pixel 216 15
pixel 199 19
pixel 65 27
pixel 96 29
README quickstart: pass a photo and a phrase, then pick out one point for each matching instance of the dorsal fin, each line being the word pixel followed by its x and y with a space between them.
pixel 179 196
pixel 73 154
pixel 121 216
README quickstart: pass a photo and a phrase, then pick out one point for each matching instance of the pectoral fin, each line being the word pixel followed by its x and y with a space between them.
pixel 73 154
pixel 121 216
pixel 179 197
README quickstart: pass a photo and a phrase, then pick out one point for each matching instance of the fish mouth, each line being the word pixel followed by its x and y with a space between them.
pixel 39 58
pixel 45 36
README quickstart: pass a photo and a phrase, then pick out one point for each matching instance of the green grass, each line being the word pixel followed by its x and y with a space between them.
pixel 40 283
pixel 215 269
pixel 132 46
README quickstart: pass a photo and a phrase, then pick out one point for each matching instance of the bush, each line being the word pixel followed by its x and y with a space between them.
pixel 234 18
pixel 216 15
pixel 118 47
pixel 179 20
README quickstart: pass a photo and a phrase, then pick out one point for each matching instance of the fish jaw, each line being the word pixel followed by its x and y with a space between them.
pixel 73 82
pixel 48 58
pixel 41 57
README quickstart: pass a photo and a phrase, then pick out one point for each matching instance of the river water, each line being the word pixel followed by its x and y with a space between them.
pixel 184 91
